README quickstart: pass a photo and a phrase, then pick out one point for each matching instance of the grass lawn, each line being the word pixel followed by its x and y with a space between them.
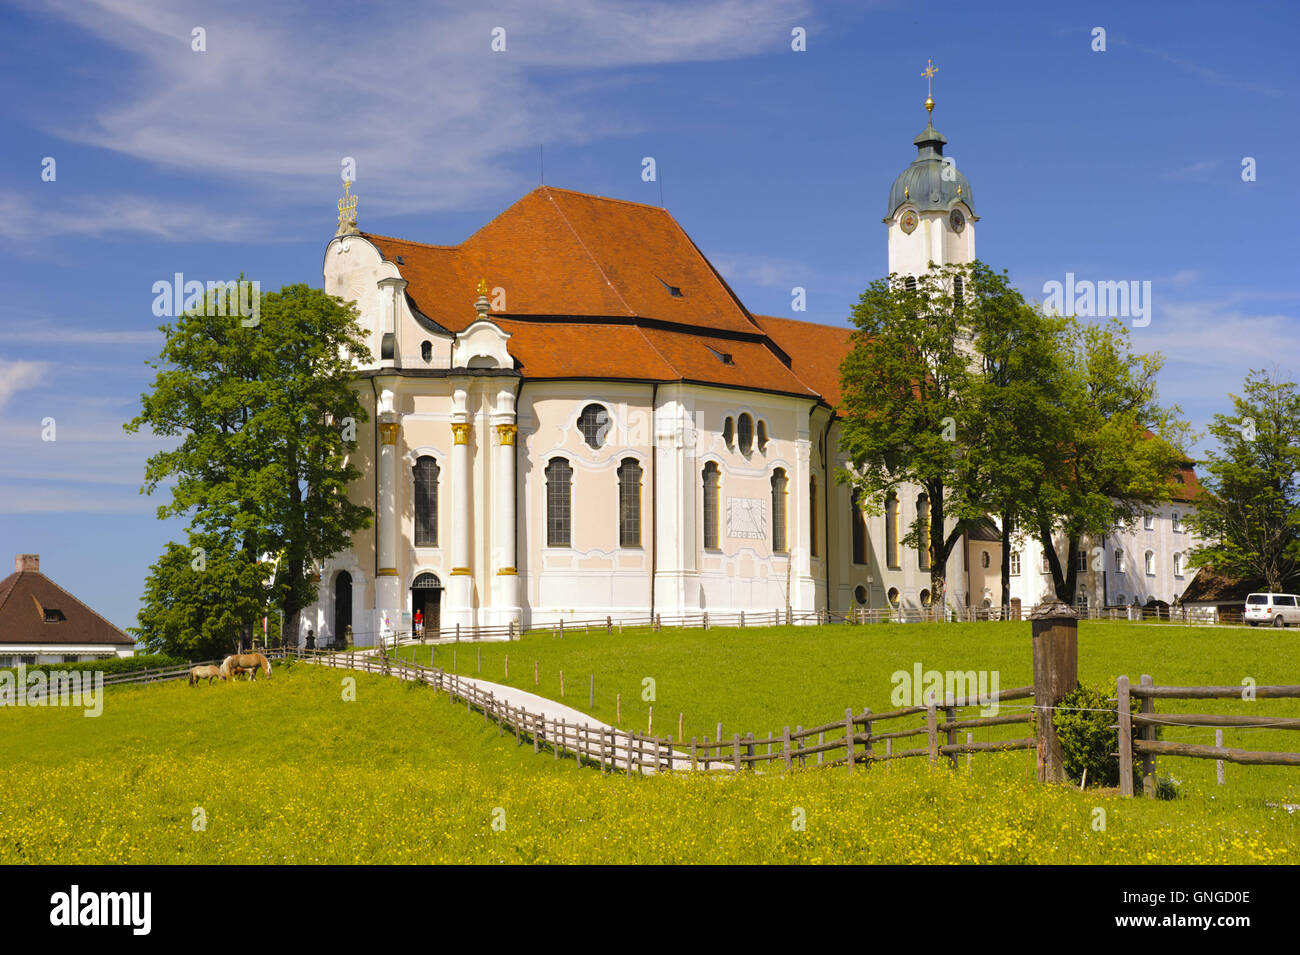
pixel 287 771
pixel 761 679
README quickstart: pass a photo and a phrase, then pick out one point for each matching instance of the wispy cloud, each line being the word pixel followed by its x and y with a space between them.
pixel 1203 171
pixel 763 270
pixel 62 212
pixel 418 98
pixel 17 375
pixel 1206 73
pixel 45 332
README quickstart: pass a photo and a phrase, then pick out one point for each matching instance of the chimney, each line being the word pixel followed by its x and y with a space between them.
pixel 28 562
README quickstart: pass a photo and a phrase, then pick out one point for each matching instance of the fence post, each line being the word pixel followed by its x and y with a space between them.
pixel 1122 711
pixel 786 749
pixel 742 620
pixel 736 742
pixel 868 749
pixel 848 737
pixel 931 729
pixel 1148 733
pixel 1055 633
pixel 1218 763
pixel 950 715
pixel 749 749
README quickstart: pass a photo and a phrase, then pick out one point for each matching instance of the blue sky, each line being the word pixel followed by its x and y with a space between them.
pixel 1115 165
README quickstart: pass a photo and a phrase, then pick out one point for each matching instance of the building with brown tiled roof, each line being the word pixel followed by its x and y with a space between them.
pixel 574 415
pixel 40 622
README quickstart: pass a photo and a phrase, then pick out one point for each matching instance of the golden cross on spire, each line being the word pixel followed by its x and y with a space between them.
pixel 482 288
pixel 347 209
pixel 930 70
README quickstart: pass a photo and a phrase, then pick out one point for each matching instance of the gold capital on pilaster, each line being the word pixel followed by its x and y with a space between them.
pixel 388 432
pixel 460 432
pixel 506 433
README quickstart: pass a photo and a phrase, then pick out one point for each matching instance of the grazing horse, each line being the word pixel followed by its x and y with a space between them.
pixel 238 662
pixel 210 672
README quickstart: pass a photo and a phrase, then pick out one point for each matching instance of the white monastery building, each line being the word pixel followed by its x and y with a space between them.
pixel 573 416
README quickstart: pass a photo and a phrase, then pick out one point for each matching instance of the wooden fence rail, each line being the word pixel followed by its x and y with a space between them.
pixel 781 617
pixel 612 748
pixel 1148 747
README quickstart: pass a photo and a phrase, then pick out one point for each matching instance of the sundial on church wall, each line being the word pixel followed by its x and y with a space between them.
pixel 747 518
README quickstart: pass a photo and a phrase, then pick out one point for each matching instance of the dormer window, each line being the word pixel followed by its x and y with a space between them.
pixel 54 615
pixel 724 357
pixel 426 351
pixel 673 290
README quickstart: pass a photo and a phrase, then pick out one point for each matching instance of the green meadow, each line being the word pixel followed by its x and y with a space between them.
pixel 294 770
pixel 760 680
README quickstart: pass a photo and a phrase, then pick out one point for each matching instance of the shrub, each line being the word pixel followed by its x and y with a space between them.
pixel 1085 725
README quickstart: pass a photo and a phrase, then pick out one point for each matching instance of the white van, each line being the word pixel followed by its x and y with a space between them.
pixel 1277 610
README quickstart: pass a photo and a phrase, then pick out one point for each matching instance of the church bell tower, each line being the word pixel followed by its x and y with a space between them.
pixel 931 212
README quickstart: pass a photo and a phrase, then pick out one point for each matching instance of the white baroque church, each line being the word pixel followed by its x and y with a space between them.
pixel 573 416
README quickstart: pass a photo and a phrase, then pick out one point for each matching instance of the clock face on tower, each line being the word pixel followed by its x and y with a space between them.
pixel 957 220
pixel 908 222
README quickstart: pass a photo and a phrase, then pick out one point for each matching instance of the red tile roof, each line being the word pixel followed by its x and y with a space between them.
pixel 589 294
pixel 26 595
pixel 816 351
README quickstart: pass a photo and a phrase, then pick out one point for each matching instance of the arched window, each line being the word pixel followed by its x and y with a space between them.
pixel 729 433
pixel 923 516
pixel 1120 600
pixel 711 482
pixel 892 596
pixel 1176 521
pixel 1119 561
pixel 559 487
pixel 958 291
pixel 426 502
pixel 629 503
pixel 745 433
pixel 812 511
pixel 594 423
pixel 1150 564
pixel 859 522
pixel 762 436
pixel 711 479
pixel 779 544
pixel 426 351
pixel 891 531
pixel 925 598
pixel 984 559
pixel 910 283
pixel 860 594
pixel 1148 522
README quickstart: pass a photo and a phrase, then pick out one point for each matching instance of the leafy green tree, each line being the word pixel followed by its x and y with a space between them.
pixel 1115 448
pixel 1015 407
pixel 199 599
pixel 905 387
pixel 266 414
pixel 1250 518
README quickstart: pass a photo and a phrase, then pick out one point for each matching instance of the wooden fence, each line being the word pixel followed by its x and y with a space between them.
pixel 1148 747
pixel 852 741
pixel 778 617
